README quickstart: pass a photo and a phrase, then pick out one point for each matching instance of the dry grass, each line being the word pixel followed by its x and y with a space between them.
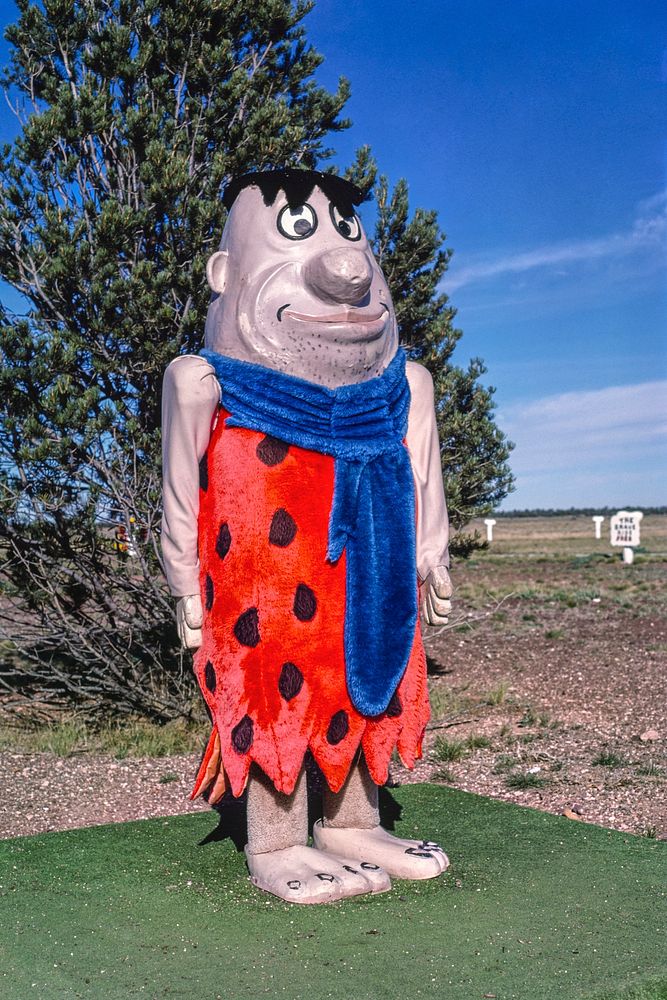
pixel 69 736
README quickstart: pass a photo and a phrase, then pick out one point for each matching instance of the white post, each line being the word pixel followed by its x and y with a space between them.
pixel 489 522
pixel 597 520
pixel 628 555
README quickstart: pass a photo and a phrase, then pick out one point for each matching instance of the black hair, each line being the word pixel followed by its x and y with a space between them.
pixel 297 185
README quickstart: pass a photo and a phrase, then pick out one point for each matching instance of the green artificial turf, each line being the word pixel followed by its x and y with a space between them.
pixel 533 906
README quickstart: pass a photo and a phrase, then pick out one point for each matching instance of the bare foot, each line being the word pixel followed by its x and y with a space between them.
pixel 414 859
pixel 307 875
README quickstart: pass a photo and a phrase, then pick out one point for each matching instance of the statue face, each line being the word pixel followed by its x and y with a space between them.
pixel 298 290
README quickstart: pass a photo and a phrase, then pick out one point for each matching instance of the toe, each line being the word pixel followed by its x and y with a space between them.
pixel 418 859
pixel 375 877
pixel 419 864
pixel 307 875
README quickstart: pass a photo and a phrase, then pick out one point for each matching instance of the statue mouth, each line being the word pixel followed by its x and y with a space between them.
pixel 373 321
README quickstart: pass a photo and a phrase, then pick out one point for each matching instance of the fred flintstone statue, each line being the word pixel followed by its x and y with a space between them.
pixel 304 524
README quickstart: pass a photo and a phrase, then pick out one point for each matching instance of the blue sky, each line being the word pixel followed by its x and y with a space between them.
pixel 537 129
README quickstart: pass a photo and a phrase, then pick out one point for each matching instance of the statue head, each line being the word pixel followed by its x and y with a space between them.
pixel 295 285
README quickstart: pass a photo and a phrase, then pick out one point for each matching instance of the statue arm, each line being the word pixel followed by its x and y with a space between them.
pixel 190 396
pixel 432 518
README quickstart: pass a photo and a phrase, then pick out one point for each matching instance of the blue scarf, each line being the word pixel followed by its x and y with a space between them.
pixel 373 511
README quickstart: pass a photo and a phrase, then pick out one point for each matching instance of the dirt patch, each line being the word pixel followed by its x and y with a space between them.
pixel 559 663
pixel 540 695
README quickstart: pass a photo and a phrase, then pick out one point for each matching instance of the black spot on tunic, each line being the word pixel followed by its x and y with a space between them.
pixel 208 592
pixel 242 735
pixel 305 603
pixel 209 677
pixel 283 529
pixel 338 728
pixel 223 541
pixel 271 450
pixel 290 681
pixel 203 472
pixel 246 628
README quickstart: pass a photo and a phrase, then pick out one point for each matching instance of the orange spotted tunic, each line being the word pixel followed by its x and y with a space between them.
pixel 271 666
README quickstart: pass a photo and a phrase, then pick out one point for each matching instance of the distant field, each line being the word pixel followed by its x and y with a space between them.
pixel 568 535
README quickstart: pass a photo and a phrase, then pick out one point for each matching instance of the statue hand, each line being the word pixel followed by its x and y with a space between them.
pixel 189 620
pixel 435 594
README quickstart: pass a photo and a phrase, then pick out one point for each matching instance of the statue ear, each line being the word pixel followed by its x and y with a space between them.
pixel 216 271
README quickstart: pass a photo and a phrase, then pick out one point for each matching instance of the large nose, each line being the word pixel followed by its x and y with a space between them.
pixel 343 274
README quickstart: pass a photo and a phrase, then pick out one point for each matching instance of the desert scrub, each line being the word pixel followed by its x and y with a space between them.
pixel 607 758
pixel 532 718
pixel 497 694
pixel 589 560
pixel 448 701
pixel 451 751
pixel 554 633
pixel 574 598
pixel 448 751
pixel 650 770
pixel 525 779
pixel 499 619
pixel 530 594
pixel 571 598
pixel 529 718
pixel 477 742
pixel 505 762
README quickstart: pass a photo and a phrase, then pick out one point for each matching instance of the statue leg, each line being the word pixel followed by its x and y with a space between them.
pixel 356 805
pixel 351 826
pixel 279 860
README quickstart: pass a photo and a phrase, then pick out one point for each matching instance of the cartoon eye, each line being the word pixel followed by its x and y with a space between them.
pixel 347 225
pixel 297 223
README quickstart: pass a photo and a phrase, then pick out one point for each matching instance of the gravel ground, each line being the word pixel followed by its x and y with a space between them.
pixel 41 792
pixel 557 662
pixel 562 712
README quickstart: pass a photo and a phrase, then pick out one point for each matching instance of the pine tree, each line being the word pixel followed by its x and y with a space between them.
pixel 134 114
pixel 474 450
pixel 133 117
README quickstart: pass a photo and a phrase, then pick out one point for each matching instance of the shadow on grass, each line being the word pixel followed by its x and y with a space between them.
pixel 232 822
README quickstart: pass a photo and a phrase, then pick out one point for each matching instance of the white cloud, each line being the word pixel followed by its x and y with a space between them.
pixel 648 231
pixel 591 447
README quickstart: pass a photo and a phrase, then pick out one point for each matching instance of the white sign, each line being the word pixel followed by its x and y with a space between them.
pixel 625 527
